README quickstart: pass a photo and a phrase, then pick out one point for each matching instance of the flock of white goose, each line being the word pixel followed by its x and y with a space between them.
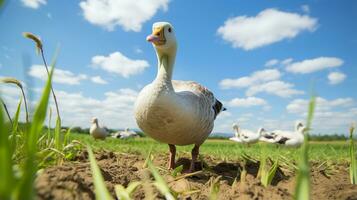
pixel 283 137
pixel 101 133
pixel 180 112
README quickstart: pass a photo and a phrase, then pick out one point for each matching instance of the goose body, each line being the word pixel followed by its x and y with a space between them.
pixel 174 112
pixel 180 115
pixel 96 131
pixel 290 138
pixel 246 136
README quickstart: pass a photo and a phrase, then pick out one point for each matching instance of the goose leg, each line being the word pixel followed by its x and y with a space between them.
pixel 195 152
pixel 172 156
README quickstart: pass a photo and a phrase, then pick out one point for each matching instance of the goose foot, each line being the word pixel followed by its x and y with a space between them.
pixel 195 151
pixel 172 156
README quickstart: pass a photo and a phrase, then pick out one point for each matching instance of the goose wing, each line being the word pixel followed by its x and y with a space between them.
pixel 200 90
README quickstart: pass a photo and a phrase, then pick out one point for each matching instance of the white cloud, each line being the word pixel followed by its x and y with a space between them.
pixel 286 61
pixel 128 14
pixel 313 65
pixel 269 26
pixel 99 80
pixel 279 88
pixel 277 62
pixel 114 111
pixel 120 64
pixel 255 78
pixel 336 77
pixel 271 62
pixel 322 105
pixel 330 116
pixel 246 102
pixel 33 3
pixel 264 81
pixel 59 76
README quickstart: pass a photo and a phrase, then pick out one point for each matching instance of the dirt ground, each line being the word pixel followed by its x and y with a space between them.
pixel 73 180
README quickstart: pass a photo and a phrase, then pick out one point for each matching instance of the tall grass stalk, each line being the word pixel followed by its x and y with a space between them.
pixel 10 80
pixel 39 48
pixel 6 173
pixel 160 183
pixel 353 161
pixel 7 111
pixel 302 189
pixel 25 189
pixel 101 191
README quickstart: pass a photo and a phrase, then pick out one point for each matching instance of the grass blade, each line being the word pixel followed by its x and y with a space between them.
pixel 58 134
pixel 25 190
pixel 125 194
pixel 7 111
pixel 353 161
pixel 15 125
pixel 302 190
pixel 160 183
pixel 6 173
pixel 214 189
pixel 271 174
pixel 101 191
pixel 177 171
pixel 16 118
pixel 10 80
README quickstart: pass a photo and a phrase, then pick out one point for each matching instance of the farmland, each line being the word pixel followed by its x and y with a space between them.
pixel 122 161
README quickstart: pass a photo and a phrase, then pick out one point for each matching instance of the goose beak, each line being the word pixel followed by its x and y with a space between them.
pixel 152 38
pixel 157 37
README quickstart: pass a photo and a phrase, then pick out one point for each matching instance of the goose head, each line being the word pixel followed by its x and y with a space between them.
pixel 94 120
pixel 163 38
pixel 300 127
pixel 235 127
pixel 261 131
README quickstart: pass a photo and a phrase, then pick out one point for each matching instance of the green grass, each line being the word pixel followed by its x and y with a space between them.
pixel 222 149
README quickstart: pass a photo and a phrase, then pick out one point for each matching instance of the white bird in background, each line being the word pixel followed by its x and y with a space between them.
pixel 290 138
pixel 127 133
pixel 97 132
pixel 246 136
pixel 170 111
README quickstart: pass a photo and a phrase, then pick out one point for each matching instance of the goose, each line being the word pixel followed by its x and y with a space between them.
pixel 127 133
pixel 246 136
pixel 290 138
pixel 267 136
pixel 170 111
pixel 97 132
pixel 236 134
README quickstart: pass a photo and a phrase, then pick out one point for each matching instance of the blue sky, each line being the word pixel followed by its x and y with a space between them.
pixel 261 58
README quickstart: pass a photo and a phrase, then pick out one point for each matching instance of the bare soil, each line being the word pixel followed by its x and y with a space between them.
pixel 73 180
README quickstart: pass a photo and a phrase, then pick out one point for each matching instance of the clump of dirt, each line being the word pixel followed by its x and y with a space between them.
pixel 73 180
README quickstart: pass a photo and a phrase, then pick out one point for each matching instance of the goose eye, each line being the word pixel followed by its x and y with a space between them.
pixel 169 30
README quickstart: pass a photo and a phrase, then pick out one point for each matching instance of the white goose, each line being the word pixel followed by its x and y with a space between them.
pixel 246 136
pixel 290 138
pixel 174 112
pixel 127 133
pixel 97 132
pixel 236 134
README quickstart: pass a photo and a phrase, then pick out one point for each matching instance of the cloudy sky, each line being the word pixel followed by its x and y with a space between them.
pixel 262 59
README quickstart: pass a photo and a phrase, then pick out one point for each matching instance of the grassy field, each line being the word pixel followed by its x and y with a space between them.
pixel 222 149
